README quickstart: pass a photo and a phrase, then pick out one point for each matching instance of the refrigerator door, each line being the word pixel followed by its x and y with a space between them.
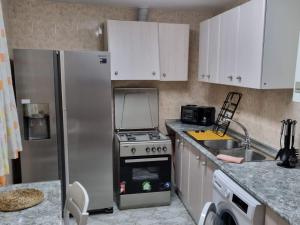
pixel 35 92
pixel 88 124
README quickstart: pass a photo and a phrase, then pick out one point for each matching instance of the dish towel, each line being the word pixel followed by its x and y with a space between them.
pixel 10 139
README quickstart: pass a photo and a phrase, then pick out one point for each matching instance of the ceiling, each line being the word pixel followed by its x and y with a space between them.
pixel 171 4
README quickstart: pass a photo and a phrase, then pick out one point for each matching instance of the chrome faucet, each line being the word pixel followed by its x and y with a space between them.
pixel 247 142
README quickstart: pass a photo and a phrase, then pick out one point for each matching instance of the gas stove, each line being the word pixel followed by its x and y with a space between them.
pixel 143 155
pixel 137 136
pixel 142 143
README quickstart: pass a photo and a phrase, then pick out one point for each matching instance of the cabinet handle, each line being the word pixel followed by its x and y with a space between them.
pixel 208 76
pixel 116 73
pixel 164 75
pixel 153 73
pixel 230 77
pixel 203 163
pixel 239 78
pixel 202 76
pixel 198 157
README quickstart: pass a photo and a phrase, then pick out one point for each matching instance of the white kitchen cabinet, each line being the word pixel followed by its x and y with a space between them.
pixel 203 50
pixel 178 163
pixel 209 44
pixel 208 172
pixel 134 50
pixel 185 176
pixel 258 44
pixel 193 177
pixel 272 218
pixel 228 46
pixel 196 182
pixel 201 186
pixel 214 49
pixel 250 44
pixel 296 95
pixel 173 51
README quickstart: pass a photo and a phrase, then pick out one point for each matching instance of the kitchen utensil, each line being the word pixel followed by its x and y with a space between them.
pixel 287 153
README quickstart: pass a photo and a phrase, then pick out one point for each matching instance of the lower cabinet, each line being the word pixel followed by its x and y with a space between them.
pixel 272 218
pixel 193 181
pixel 185 176
pixel 193 177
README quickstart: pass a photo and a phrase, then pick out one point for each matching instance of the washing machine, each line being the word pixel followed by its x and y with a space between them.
pixel 231 205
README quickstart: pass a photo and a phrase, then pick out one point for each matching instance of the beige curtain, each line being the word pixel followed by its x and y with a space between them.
pixel 10 140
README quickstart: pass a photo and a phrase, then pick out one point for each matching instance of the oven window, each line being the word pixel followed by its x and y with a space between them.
pixel 145 174
pixel 148 173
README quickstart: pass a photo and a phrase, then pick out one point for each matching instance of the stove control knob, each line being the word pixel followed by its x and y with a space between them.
pixel 133 150
pixel 165 149
pixel 147 149
pixel 158 149
pixel 153 149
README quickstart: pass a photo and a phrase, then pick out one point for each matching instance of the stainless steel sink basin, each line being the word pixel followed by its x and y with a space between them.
pixel 232 148
pixel 223 144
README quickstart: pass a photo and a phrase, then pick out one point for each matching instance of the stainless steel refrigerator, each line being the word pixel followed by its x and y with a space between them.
pixel 64 106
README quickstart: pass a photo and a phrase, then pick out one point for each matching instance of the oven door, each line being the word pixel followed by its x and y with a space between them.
pixel 145 174
pixel 210 216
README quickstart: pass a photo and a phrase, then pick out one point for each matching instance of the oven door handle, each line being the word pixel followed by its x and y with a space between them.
pixel 147 160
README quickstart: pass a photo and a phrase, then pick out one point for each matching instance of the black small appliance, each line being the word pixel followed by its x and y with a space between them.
pixel 199 115
pixel 287 153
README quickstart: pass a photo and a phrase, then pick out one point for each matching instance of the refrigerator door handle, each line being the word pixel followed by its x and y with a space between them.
pixel 65 125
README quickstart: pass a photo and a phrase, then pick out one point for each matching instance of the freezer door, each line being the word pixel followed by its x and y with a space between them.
pixel 35 92
pixel 87 109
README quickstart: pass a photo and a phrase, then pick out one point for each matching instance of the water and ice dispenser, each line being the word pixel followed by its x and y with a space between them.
pixel 36 121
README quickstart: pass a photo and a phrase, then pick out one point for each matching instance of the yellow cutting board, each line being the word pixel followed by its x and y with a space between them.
pixel 208 135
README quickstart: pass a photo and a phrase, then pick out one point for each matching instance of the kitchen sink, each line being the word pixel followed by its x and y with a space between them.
pixel 223 144
pixel 233 148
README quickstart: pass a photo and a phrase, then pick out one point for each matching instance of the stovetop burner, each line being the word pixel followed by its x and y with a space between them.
pixel 141 136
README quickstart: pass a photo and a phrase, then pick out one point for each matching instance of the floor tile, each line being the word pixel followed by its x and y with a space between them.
pixel 175 214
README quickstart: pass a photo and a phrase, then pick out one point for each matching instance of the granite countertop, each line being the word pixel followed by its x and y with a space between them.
pixel 276 187
pixel 46 213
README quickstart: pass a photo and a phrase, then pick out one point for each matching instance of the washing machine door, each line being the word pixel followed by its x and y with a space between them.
pixel 209 216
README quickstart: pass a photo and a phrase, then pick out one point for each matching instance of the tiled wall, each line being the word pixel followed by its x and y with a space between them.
pixel 45 24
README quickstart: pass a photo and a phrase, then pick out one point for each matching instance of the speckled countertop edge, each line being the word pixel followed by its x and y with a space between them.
pixel 46 213
pixel 276 187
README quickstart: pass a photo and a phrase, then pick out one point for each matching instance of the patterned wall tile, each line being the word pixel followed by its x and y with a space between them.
pixel 56 25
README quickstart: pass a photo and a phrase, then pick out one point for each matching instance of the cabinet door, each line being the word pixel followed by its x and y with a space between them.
pixel 208 172
pixel 195 186
pixel 185 175
pixel 272 218
pixel 203 50
pixel 178 158
pixel 134 50
pixel 174 51
pixel 250 44
pixel 214 49
pixel 228 46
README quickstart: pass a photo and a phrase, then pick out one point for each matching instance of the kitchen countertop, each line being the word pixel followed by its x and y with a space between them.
pixel 46 213
pixel 276 187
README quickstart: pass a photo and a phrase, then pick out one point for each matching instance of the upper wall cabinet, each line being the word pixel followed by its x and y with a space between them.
pixel 173 51
pixel 203 50
pixel 296 96
pixel 258 44
pixel 134 50
pixel 228 46
pixel 147 50
pixel 209 44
